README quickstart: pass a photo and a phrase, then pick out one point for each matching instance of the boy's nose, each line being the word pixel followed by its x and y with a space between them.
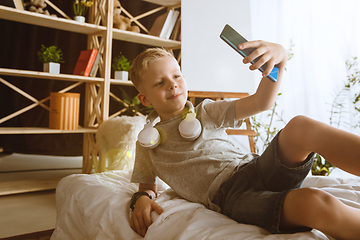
pixel 172 85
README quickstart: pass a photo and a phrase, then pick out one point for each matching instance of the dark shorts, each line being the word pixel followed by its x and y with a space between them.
pixel 255 193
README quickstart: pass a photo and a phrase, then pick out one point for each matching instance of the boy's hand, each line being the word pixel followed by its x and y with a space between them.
pixel 140 217
pixel 271 53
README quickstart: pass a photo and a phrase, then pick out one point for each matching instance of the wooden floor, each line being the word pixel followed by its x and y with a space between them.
pixel 27 213
pixel 22 213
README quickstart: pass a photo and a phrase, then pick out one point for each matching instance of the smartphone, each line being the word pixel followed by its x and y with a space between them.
pixel 233 38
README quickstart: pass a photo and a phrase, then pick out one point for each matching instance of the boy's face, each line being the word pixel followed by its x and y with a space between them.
pixel 163 86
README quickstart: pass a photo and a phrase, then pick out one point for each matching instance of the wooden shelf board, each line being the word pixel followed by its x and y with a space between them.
pixel 165 2
pixel 25 186
pixel 145 39
pixel 121 82
pixel 43 20
pixel 36 130
pixel 44 75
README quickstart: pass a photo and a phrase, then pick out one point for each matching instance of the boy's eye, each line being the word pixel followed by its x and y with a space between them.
pixel 159 83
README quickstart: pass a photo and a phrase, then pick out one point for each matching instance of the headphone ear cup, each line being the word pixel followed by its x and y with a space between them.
pixel 190 130
pixel 149 137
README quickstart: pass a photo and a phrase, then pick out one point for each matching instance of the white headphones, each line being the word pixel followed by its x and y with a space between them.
pixel 189 129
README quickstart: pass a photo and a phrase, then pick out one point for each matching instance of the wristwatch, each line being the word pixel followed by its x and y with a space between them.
pixel 135 197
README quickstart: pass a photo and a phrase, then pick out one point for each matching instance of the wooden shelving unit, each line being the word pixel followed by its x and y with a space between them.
pixel 97 88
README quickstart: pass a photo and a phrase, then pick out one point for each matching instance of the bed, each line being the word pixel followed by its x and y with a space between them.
pixel 96 206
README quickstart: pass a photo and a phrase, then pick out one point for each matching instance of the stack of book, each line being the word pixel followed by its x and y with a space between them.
pixel 166 25
pixel 87 63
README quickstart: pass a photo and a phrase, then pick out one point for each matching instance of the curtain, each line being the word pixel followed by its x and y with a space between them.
pixel 325 35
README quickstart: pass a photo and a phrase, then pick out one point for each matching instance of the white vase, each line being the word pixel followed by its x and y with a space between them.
pixel 51 67
pixel 80 19
pixel 121 75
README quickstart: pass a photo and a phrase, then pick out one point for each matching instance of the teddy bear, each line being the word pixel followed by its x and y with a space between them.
pixel 38 7
pixel 122 22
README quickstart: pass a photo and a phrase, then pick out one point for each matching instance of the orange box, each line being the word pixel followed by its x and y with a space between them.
pixel 64 111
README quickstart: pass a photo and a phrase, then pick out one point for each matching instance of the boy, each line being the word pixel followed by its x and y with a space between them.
pixel 260 190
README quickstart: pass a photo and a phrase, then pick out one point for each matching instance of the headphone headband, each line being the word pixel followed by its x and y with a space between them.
pixel 153 114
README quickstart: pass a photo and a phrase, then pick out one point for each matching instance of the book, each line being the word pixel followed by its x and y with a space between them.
pixel 164 24
pixel 171 25
pixel 165 28
pixel 176 31
pixel 85 62
pixel 158 25
pixel 95 65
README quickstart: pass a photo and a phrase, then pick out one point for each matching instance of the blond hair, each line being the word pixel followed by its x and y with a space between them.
pixel 141 64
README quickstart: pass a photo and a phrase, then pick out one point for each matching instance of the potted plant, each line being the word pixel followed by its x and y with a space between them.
pixel 51 57
pixel 121 66
pixel 132 105
pixel 80 9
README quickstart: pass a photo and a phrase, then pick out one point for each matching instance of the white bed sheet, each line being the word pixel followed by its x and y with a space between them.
pixel 96 206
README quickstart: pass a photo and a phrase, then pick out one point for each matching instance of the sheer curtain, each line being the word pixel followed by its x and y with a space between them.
pixel 325 34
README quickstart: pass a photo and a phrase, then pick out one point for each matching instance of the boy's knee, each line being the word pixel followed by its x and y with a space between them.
pixel 300 122
pixel 299 126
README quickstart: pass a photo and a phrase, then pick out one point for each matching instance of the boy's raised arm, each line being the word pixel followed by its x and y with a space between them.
pixel 265 95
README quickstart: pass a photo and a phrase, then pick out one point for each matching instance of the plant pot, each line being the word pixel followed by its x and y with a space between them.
pixel 121 75
pixel 80 19
pixel 51 67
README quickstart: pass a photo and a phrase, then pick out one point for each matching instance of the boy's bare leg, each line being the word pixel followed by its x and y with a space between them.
pixel 303 135
pixel 312 207
pixel 317 209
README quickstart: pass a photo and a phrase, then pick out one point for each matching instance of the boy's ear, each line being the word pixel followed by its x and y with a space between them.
pixel 143 99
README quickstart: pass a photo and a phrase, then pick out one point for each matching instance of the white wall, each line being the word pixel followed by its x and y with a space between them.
pixel 208 63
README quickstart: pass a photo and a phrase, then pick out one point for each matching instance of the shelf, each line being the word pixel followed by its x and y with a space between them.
pixel 62 77
pixel 165 2
pixel 34 130
pixel 49 76
pixel 42 20
pixel 121 82
pixel 145 39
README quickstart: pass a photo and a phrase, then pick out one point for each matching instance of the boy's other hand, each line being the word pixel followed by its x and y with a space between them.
pixel 271 53
pixel 140 217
